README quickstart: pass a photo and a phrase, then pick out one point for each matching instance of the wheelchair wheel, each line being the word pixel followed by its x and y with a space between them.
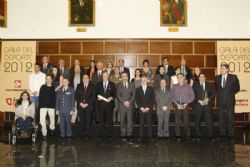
pixel 13 140
pixel 33 137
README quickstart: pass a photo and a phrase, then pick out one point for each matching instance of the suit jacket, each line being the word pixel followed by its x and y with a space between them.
pixel 163 99
pixel 199 92
pixel 66 73
pixel 188 73
pixel 96 79
pixel 85 96
pixel 125 94
pixel 145 100
pixel 110 92
pixel 125 69
pixel 65 101
pixel 71 80
pixel 171 70
pixel 227 95
pixel 158 80
pixel 48 69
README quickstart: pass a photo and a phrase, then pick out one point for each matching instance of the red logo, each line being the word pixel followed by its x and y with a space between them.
pixel 17 84
pixel 9 101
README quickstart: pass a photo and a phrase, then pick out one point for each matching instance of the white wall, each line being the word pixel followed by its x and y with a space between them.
pixel 127 19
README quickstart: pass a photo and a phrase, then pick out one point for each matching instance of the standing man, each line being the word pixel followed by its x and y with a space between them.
pixel 169 70
pixel 181 95
pixel 204 93
pixel 185 70
pixel 227 86
pixel 47 103
pixel 65 72
pixel 98 73
pixel 36 80
pixel 75 79
pixel 85 97
pixel 145 98
pixel 46 66
pixel 162 98
pixel 65 106
pixel 105 91
pixel 125 97
pixel 123 68
pixel 161 75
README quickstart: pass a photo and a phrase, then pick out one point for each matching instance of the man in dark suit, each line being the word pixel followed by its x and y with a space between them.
pixel 145 98
pixel 46 66
pixel 227 85
pixel 85 97
pixel 65 72
pixel 204 93
pixel 123 68
pixel 97 77
pixel 161 75
pixel 76 76
pixel 65 106
pixel 169 70
pixel 186 71
pixel 125 95
pixel 105 91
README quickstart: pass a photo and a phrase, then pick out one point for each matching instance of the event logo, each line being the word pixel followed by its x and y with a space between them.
pixel 9 101
pixel 17 83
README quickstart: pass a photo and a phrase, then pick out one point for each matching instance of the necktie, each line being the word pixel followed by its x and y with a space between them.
pixel 144 89
pixel 105 86
pixel 61 70
pixel 163 91
pixel 223 82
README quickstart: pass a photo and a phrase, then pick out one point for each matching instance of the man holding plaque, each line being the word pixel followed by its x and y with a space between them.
pixel 105 91
pixel 182 94
pixel 202 104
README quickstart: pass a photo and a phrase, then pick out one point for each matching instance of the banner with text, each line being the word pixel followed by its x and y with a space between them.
pixel 237 55
pixel 17 62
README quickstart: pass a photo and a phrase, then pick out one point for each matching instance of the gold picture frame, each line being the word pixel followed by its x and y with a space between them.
pixel 173 13
pixel 81 13
pixel 3 13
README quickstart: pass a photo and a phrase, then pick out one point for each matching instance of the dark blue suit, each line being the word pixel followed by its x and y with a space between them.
pixel 65 102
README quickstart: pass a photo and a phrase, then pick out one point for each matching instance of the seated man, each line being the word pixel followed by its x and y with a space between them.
pixel 24 113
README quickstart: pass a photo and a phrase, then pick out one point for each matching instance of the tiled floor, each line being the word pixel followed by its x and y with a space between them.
pixel 97 152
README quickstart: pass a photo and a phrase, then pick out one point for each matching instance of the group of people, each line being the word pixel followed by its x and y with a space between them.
pixel 104 95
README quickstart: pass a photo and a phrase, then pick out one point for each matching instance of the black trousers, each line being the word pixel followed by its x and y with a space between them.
pixel 226 120
pixel 148 117
pixel 201 111
pixel 106 120
pixel 85 121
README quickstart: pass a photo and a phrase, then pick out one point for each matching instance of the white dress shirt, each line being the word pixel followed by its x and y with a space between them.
pixel 36 80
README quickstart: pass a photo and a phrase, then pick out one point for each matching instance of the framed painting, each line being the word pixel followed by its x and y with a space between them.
pixel 3 13
pixel 173 13
pixel 81 13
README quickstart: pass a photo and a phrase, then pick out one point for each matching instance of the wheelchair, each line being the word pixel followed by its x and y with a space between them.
pixel 17 134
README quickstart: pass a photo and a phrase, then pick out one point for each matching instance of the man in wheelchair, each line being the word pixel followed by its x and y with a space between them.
pixel 24 117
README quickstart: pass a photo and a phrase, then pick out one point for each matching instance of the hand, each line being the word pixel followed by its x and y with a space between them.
pixel 184 106
pixel 179 106
pixel 201 102
pixel 142 109
pixel 126 104
pixel 147 109
pixel 71 112
pixel 164 108
pixel 82 105
pixel 110 99
pixel 99 98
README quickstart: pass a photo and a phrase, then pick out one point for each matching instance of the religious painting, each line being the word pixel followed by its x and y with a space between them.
pixel 81 12
pixel 3 13
pixel 173 13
